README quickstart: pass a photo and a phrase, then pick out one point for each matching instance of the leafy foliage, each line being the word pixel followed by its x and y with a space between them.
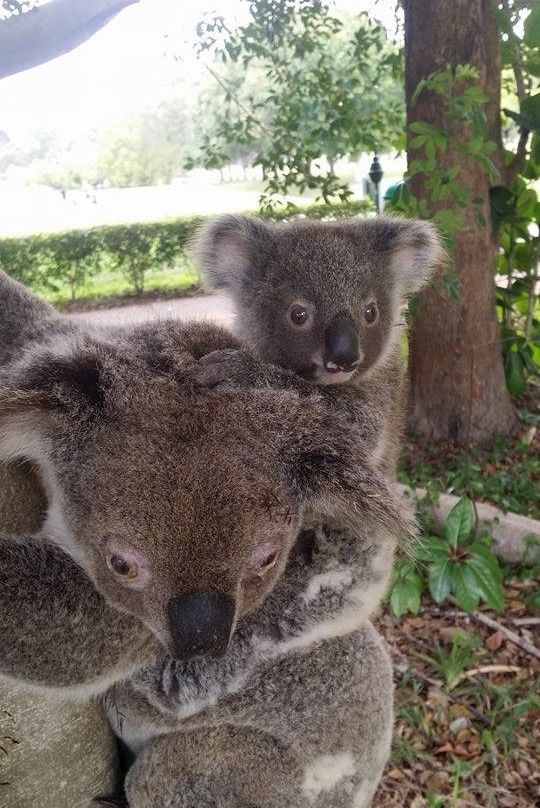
pixel 455 564
pixel 326 88
pixel 45 260
pixel 461 105
pixel 146 149
pixel 515 208
pixel 505 471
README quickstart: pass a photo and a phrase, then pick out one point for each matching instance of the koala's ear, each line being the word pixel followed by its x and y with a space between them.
pixel 333 473
pixel 230 248
pixel 71 387
pixel 414 247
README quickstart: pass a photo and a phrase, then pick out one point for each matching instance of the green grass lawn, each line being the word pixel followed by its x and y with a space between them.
pixel 107 286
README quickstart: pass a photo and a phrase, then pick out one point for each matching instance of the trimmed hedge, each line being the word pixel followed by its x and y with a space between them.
pixel 46 261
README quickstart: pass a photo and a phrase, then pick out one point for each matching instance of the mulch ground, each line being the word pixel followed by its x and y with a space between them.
pixel 467 707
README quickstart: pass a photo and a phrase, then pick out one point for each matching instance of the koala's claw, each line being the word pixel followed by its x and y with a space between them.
pixel 110 802
pixel 224 369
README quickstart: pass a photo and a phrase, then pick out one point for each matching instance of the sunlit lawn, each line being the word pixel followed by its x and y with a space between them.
pixel 109 285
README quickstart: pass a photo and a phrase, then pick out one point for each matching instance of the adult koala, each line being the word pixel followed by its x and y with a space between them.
pixel 179 509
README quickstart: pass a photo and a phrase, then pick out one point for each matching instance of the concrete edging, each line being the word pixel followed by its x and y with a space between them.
pixel 510 531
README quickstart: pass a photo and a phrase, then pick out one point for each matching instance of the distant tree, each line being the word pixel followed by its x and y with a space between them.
pixel 330 88
pixel 147 148
pixel 31 34
pixel 219 139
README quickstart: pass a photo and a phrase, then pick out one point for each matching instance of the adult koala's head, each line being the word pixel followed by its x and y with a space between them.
pixel 181 504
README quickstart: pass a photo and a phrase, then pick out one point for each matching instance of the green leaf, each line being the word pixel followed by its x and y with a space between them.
pixel 526 121
pixel 514 371
pixel 465 587
pixel 532 28
pixel 485 567
pixel 526 203
pixel 432 548
pixel 421 127
pixel 439 580
pixel 488 580
pixel 460 522
pixel 530 111
pixel 405 597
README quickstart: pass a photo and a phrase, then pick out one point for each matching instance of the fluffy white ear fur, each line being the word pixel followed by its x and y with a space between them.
pixel 416 250
pixel 225 248
pixel 21 437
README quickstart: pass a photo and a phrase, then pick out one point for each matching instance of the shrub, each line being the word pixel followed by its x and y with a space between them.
pixel 43 261
pixel 458 564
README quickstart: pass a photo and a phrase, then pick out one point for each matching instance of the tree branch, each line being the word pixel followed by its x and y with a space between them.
pixel 520 157
pixel 230 90
pixel 45 32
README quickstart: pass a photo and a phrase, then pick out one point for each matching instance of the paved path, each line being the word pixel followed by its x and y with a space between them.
pixel 203 307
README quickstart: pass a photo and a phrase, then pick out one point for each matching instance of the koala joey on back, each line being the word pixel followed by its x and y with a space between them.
pixel 180 504
pixel 326 299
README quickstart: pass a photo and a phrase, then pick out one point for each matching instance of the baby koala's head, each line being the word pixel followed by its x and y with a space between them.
pixel 181 504
pixel 322 298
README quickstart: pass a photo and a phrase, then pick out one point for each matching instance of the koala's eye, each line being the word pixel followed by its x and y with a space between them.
pixel 123 568
pixel 371 313
pixel 299 315
pixel 267 563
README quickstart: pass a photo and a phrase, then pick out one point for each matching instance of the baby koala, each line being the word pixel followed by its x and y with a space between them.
pixel 326 300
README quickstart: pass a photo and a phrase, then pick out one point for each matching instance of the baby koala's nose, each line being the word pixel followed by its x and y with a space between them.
pixel 200 624
pixel 341 340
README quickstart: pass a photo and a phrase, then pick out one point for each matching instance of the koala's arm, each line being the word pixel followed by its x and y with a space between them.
pixel 56 631
pixel 233 368
pixel 339 578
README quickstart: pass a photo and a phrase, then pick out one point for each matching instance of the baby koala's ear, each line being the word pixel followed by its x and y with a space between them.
pixel 230 248
pixel 414 248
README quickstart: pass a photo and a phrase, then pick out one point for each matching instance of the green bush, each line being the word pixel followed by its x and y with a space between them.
pixel 47 261
pixel 458 564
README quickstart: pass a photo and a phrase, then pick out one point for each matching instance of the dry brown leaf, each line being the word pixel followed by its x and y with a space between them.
pixel 494 641
pixel 443 750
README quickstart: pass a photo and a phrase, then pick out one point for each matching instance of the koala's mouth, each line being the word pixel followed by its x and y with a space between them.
pixel 328 372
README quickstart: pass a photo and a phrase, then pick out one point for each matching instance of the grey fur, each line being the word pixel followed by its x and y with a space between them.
pixel 298 713
pixel 131 408
pixel 130 448
pixel 332 268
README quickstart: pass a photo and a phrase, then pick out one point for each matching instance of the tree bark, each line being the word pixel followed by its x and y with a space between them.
pixel 457 378
pixel 48 31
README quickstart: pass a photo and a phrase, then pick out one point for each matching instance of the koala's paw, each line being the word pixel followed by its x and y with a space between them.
pixel 226 369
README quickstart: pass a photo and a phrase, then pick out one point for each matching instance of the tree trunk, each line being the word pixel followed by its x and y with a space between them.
pixel 48 31
pixel 457 378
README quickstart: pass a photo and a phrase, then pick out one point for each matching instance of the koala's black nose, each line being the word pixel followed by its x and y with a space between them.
pixel 342 342
pixel 200 623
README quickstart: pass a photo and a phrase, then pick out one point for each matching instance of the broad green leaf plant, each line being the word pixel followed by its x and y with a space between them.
pixel 457 563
